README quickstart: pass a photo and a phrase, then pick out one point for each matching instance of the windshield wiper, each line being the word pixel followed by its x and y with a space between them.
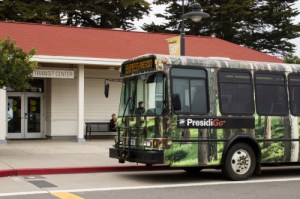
pixel 164 107
pixel 126 105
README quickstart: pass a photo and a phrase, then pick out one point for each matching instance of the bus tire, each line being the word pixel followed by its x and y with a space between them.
pixel 239 162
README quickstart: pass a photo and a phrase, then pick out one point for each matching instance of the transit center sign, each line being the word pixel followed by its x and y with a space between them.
pixel 45 73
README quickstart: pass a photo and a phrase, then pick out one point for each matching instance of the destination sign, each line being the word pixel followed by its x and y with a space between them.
pixel 138 66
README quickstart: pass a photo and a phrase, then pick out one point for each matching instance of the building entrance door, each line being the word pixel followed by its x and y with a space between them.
pixel 24 115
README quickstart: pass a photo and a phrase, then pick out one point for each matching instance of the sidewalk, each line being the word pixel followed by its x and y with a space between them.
pixel 34 157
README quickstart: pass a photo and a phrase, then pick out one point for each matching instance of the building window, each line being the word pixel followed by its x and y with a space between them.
pixel 271 94
pixel 191 86
pixel 294 91
pixel 236 92
pixel 36 85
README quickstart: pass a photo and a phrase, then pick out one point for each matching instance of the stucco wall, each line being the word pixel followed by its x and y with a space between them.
pixel 64 99
pixel 97 107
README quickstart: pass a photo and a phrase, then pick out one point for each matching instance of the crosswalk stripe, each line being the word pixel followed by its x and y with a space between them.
pixel 66 195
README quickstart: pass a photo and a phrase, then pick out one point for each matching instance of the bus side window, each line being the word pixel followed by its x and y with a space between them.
pixel 235 92
pixel 181 87
pixel 199 97
pixel 271 93
pixel 190 84
pixel 294 92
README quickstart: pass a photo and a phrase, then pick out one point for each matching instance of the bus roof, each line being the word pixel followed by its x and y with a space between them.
pixel 152 62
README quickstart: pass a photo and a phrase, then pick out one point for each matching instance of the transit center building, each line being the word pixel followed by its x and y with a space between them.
pixel 67 89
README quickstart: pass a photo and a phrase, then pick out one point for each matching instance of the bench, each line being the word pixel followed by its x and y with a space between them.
pixel 100 127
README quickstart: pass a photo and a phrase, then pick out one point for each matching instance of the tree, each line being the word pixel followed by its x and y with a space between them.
pixel 202 147
pixel 104 14
pixel 287 135
pixel 276 27
pixel 15 66
pixel 36 11
pixel 267 130
pixel 262 25
pixel 291 59
pixel 87 13
pixel 294 135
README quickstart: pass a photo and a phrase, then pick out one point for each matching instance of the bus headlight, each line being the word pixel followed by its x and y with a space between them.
pixel 147 143
pixel 132 142
pixel 155 143
pixel 158 143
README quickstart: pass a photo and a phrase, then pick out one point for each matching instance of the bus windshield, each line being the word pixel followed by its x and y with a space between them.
pixel 144 95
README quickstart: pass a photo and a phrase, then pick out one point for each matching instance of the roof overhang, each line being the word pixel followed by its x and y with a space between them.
pixel 77 60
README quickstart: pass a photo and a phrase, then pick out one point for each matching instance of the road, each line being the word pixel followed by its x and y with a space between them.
pixel 272 183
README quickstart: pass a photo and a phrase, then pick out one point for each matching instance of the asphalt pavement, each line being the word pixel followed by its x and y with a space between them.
pixel 36 157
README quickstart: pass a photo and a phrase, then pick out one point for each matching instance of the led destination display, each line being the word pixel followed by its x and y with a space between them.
pixel 138 66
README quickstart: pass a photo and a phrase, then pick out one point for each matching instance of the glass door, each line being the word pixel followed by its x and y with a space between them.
pixel 15 116
pixel 33 115
pixel 24 115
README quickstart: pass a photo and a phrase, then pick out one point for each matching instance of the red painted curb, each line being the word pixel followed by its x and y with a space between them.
pixel 74 170
pixel 9 172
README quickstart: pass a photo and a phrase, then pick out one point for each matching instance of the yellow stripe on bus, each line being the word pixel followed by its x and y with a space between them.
pixel 65 195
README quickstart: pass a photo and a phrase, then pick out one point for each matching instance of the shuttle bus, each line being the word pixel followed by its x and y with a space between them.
pixel 208 113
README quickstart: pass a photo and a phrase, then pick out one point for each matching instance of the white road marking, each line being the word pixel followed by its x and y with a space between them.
pixel 17 179
pixel 23 193
pixel 180 185
pixel 153 186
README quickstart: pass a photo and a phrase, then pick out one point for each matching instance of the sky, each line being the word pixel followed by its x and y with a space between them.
pixel 160 9
pixel 297 41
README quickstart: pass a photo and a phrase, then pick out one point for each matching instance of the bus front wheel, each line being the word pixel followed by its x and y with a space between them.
pixel 239 162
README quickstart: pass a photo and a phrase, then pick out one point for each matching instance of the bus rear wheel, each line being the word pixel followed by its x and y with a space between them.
pixel 239 162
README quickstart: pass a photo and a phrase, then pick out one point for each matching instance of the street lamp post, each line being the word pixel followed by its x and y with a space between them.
pixel 196 15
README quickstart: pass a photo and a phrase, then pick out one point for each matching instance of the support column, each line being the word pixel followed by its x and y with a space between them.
pixel 3 117
pixel 80 137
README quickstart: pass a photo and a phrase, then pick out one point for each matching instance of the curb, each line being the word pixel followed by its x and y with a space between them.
pixel 74 170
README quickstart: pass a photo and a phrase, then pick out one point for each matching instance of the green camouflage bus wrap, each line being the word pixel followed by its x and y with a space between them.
pixel 278 137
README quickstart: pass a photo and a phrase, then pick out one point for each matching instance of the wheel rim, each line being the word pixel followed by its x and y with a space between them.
pixel 240 162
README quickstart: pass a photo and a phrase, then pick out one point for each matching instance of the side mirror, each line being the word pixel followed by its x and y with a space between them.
pixel 106 90
pixel 176 102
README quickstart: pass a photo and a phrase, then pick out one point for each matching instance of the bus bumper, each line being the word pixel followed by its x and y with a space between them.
pixel 139 156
